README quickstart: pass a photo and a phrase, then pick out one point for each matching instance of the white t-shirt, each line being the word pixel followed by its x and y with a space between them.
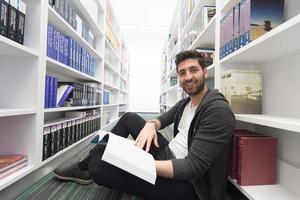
pixel 178 144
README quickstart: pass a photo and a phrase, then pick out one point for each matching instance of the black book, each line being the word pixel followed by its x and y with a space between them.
pixel 12 20
pixel 20 23
pixel 3 17
pixel 46 142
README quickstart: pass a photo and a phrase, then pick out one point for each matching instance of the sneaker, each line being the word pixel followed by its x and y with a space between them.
pixel 73 173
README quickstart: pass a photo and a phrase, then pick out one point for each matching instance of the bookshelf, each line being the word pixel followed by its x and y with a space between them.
pixel 23 69
pixel 276 55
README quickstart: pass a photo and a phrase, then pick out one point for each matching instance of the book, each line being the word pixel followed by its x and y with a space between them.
pixel 256 20
pixel 12 20
pixel 63 93
pixel 20 22
pixel 122 153
pixel 4 17
pixel 13 170
pixel 243 90
pixel 234 149
pixel 257 161
pixel 9 161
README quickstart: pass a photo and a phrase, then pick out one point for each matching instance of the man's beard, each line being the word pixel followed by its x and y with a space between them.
pixel 200 87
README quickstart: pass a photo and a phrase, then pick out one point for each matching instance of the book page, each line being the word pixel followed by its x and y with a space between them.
pixel 121 152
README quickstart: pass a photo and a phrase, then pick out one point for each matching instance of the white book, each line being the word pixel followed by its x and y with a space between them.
pixel 122 153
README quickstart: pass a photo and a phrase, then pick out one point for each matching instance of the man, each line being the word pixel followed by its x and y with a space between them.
pixel 193 165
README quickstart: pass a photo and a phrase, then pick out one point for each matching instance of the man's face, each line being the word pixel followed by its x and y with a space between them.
pixel 191 76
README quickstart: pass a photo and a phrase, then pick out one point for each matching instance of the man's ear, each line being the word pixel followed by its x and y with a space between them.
pixel 205 71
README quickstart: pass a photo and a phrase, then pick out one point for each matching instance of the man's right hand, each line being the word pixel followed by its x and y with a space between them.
pixel 146 136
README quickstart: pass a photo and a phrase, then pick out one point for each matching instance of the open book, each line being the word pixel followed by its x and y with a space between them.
pixel 122 153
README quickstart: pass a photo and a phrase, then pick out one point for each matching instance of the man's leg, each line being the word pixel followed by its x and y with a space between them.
pixel 129 123
pixel 110 176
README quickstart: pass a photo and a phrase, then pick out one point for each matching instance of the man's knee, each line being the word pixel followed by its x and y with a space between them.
pixel 129 115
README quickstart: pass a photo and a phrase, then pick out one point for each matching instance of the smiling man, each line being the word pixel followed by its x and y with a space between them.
pixel 193 165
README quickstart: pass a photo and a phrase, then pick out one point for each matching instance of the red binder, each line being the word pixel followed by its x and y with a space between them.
pixel 234 154
pixel 257 160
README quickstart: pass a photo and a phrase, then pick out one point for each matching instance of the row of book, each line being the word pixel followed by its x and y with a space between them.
pixel 247 21
pixel 253 158
pixel 108 97
pixel 60 94
pixel 77 125
pixel 9 164
pixel 65 10
pixel 67 51
pixel 12 19
pixel 243 90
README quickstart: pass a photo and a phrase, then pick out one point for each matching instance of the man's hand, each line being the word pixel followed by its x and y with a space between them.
pixel 146 136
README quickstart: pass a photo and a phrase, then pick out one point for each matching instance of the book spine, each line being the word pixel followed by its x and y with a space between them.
pixel 60 137
pixel 65 95
pixel 239 162
pixel 55 85
pixel 51 88
pixel 70 141
pixel 234 157
pixel 12 20
pixel 55 44
pixel 65 135
pixel 46 143
pixel 49 41
pixel 4 10
pixel 61 47
pixel 20 22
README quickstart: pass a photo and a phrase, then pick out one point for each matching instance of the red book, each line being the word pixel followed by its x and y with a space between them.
pixel 257 160
pixel 6 161
pixel 234 153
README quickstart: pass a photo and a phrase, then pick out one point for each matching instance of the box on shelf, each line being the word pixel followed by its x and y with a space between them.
pixel 243 90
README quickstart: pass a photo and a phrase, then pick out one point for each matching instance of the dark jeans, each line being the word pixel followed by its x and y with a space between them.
pixel 107 175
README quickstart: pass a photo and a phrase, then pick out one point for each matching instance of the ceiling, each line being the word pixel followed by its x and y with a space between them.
pixel 144 23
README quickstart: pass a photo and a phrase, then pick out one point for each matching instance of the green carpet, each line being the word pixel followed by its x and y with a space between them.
pixel 49 188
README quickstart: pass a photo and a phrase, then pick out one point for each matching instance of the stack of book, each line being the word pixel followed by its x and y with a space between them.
pixel 11 163
pixel 253 158
pixel 61 133
pixel 12 19
pixel 67 51
pixel 60 94
pixel 65 10
pixel 247 21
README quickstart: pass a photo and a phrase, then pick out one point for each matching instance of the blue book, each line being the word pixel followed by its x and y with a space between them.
pixel 63 93
pixel 49 41
pixel 55 44
pixel 70 54
pixel 80 52
pixel 55 85
pixel 61 47
pixel 47 88
pixel 236 23
pixel 51 86
pixel 66 50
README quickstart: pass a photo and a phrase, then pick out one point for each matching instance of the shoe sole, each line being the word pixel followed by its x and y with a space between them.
pixel 77 180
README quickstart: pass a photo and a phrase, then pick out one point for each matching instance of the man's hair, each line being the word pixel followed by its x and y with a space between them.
pixel 184 55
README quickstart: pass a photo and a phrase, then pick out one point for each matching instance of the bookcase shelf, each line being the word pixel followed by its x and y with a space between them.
pixel 111 87
pixel 23 70
pixel 276 55
pixel 112 49
pixel 13 112
pixel 194 15
pixel 259 50
pixel 206 39
pixel 110 67
pixel 12 48
pixel 50 110
pixel 265 192
pixel 15 176
pixel 80 7
pixel 60 68
pixel 290 124
pixel 61 25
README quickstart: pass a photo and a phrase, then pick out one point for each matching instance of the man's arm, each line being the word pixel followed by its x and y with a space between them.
pixel 164 168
